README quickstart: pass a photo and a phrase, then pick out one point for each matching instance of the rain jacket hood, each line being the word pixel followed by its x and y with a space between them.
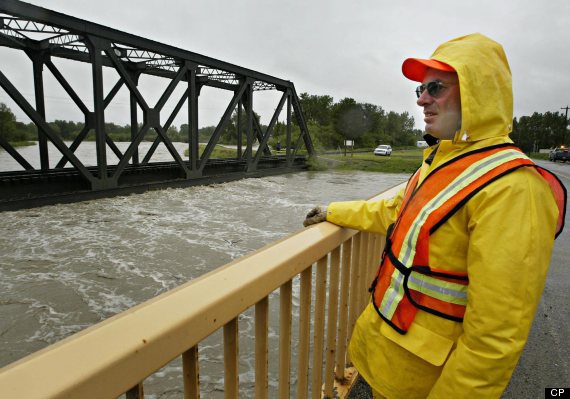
pixel 485 85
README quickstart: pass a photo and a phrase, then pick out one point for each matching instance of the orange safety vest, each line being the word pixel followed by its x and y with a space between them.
pixel 405 282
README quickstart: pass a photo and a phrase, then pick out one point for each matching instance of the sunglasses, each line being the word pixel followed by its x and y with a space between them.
pixel 433 88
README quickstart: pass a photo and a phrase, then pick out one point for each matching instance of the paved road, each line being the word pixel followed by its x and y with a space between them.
pixel 545 359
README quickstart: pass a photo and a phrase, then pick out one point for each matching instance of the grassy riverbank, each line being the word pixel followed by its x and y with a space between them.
pixel 20 144
pixel 401 161
pixel 218 152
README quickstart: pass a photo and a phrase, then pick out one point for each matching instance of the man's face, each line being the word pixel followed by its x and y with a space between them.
pixel 442 112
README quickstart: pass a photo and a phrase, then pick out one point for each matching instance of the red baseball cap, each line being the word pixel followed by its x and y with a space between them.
pixel 415 68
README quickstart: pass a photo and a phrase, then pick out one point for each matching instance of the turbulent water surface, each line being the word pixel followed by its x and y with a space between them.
pixel 66 267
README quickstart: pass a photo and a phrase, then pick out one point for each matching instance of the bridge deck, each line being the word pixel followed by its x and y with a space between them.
pixel 25 189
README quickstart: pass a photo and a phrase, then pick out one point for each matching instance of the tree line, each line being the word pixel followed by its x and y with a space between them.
pixel 329 124
pixel 367 125
pixel 15 131
pixel 548 130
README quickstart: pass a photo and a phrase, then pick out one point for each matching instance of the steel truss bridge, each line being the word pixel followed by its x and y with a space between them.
pixel 44 34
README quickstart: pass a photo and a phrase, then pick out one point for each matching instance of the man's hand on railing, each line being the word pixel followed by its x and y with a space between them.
pixel 315 215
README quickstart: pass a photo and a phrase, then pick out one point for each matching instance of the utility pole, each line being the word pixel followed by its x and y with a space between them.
pixel 566 124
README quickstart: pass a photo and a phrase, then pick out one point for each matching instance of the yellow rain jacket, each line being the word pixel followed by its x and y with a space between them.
pixel 502 238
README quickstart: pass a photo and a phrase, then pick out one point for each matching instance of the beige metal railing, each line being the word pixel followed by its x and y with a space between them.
pixel 116 356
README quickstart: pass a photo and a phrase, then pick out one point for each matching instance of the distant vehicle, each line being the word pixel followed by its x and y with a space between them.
pixel 559 154
pixel 421 144
pixel 383 149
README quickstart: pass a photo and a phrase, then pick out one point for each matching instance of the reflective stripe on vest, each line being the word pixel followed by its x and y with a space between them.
pixel 405 282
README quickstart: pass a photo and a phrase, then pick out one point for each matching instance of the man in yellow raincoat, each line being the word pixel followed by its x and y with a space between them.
pixel 497 241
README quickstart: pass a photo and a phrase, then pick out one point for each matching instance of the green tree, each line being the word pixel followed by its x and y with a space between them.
pixel 67 130
pixel 229 134
pixel 537 131
pixel 316 108
pixel 367 124
pixel 350 119
pixel 9 126
pixel 204 133
pixel 173 134
pixel 325 136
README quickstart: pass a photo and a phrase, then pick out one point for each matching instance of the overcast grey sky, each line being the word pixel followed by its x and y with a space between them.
pixel 350 48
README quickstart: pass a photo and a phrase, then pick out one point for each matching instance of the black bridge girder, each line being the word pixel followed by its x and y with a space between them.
pixel 66 177
pixel 32 188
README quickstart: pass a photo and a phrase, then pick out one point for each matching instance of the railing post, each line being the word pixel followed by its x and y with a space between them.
pixel 319 327
pixel 332 322
pixel 285 317
pixel 343 311
pixel 363 272
pixel 354 283
pixel 231 351
pixel 190 372
pixel 261 348
pixel 370 260
pixel 136 392
pixel 304 333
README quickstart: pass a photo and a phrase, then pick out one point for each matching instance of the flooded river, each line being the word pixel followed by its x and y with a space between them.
pixel 66 267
